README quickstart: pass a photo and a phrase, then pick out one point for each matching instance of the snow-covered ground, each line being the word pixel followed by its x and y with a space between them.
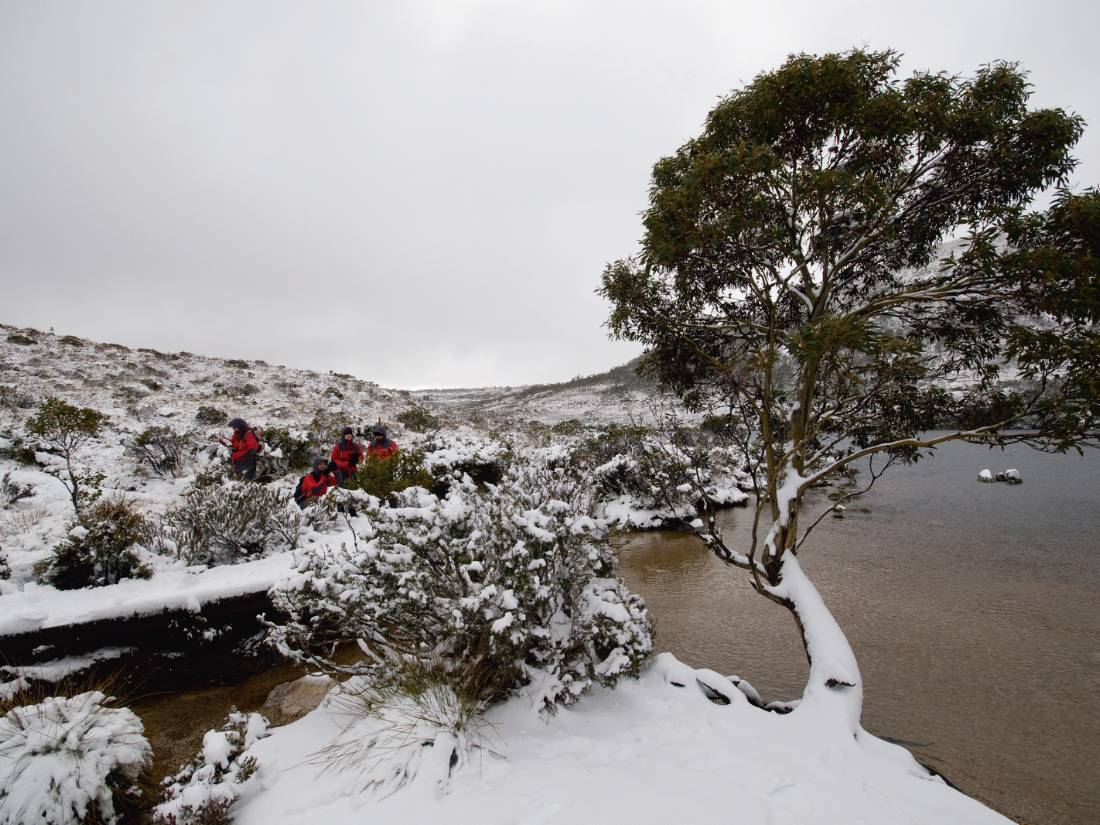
pixel 655 750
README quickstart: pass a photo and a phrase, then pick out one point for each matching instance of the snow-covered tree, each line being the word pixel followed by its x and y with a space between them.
pixel 791 270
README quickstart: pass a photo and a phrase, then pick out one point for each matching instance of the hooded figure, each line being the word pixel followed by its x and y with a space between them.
pixel 346 455
pixel 380 446
pixel 243 446
pixel 315 483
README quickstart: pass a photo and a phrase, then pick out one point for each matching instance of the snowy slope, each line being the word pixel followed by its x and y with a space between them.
pixel 648 751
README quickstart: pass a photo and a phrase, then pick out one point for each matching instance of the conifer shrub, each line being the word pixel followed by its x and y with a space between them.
pixel 103 548
pixel 510 587
pixel 418 419
pixel 382 477
pixel 19 338
pixel 202 791
pixel 237 363
pixel 161 449
pixel 71 341
pixel 233 522
pixel 211 416
pixel 71 760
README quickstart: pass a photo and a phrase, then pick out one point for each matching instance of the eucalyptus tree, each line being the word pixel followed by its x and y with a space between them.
pixel 844 257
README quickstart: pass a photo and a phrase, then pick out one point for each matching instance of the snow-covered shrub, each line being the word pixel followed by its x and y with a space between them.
pixel 412 722
pixel 70 761
pixel 294 447
pixel 210 415
pixel 381 477
pixel 12 490
pixel 511 581
pixel 453 455
pixel 161 449
pixel 15 398
pixel 102 548
pixel 659 479
pixel 227 523
pixel 5 568
pixel 204 789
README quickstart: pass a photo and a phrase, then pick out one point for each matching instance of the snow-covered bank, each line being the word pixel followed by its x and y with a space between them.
pixel 36 607
pixel 655 750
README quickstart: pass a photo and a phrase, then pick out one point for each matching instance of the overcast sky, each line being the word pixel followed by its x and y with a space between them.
pixel 420 193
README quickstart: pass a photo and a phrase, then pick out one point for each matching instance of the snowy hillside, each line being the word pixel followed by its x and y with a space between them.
pixel 605 398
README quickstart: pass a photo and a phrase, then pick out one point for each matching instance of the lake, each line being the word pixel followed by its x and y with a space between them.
pixel 974 611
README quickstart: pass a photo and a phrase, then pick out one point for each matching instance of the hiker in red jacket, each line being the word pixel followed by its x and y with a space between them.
pixel 380 446
pixel 244 446
pixel 346 455
pixel 315 483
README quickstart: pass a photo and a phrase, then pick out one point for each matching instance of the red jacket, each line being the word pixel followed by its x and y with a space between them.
pixel 382 450
pixel 313 487
pixel 346 457
pixel 244 445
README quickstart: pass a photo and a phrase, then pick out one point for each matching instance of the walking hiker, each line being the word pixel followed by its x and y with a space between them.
pixel 346 455
pixel 315 483
pixel 244 446
pixel 380 446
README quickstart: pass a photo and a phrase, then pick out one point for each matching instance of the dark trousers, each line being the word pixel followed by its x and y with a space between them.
pixel 245 468
pixel 341 476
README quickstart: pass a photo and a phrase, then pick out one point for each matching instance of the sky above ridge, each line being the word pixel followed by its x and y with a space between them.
pixel 423 194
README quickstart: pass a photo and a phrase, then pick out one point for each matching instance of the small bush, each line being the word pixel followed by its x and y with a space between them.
pixel 203 790
pixel 101 548
pixel 447 456
pixel 293 446
pixel 418 419
pixel 571 426
pixel 152 384
pixel 161 449
pixel 22 340
pixel 65 429
pixel 417 721
pixel 20 451
pixel 236 363
pixel 12 491
pixel 210 415
pixel 14 398
pixel 71 341
pixel 381 477
pixel 229 523
pixel 5 568
pixel 71 761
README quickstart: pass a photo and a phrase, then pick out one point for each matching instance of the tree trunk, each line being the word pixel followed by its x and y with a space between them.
pixel 834 689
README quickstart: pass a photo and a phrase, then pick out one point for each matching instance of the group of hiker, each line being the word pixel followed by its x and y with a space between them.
pixel 325 473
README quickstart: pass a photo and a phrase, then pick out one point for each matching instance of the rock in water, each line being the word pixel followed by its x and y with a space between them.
pixel 1013 476
pixel 293 700
pixel 985 476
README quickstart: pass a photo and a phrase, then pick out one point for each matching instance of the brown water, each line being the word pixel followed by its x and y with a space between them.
pixel 974 610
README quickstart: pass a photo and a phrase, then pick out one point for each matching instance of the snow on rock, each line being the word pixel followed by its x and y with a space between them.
pixel 985 476
pixel 656 750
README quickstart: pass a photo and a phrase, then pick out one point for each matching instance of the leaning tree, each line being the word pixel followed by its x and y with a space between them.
pixel 844 258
